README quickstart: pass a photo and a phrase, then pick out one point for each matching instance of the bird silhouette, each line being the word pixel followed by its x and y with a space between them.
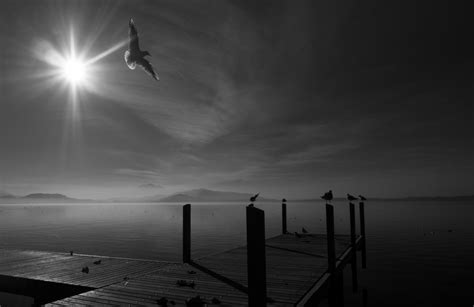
pixel 254 198
pixel 283 200
pixel 303 230
pixel 350 197
pixel 134 56
pixel 362 197
pixel 327 196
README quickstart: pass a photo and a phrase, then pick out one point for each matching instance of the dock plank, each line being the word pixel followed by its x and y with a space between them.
pixel 294 266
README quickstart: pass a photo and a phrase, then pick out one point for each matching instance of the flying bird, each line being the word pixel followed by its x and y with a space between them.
pixel 327 196
pixel 254 198
pixel 134 56
pixel 350 197
pixel 362 197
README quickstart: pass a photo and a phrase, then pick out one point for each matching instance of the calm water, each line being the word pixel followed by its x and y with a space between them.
pixel 419 253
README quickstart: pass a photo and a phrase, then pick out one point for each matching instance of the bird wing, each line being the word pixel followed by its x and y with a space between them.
pixel 148 68
pixel 133 37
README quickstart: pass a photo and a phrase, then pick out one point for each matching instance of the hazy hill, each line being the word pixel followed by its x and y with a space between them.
pixel 4 194
pixel 47 196
pixel 205 195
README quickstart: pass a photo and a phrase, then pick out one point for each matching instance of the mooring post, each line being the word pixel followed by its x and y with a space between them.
pixel 187 233
pixel 336 294
pixel 283 217
pixel 362 233
pixel 330 238
pixel 256 266
pixel 354 247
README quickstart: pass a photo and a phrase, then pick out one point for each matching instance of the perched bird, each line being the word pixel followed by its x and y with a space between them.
pixel 134 56
pixel 362 197
pixel 303 230
pixel 85 270
pixel 283 200
pixel 254 198
pixel 350 197
pixel 71 253
pixel 327 196
pixel 98 261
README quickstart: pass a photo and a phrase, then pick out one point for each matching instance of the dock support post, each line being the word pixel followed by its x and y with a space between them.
pixel 330 238
pixel 354 247
pixel 187 233
pixel 336 293
pixel 256 266
pixel 284 230
pixel 362 233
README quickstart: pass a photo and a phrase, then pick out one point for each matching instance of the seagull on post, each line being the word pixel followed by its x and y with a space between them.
pixel 327 196
pixel 350 197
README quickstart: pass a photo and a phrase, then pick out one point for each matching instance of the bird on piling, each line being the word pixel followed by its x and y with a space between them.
pixel 350 197
pixel 283 200
pixel 134 56
pixel 254 198
pixel 327 196
pixel 362 197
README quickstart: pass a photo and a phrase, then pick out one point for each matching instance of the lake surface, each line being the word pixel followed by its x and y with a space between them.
pixel 420 253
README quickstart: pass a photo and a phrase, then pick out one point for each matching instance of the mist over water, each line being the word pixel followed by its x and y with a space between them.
pixel 419 249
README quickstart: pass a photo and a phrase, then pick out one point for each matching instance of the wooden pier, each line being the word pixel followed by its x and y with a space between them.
pixel 286 270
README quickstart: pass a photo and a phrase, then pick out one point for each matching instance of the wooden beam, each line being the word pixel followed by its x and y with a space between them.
pixel 187 233
pixel 330 238
pixel 354 247
pixel 362 233
pixel 284 230
pixel 256 262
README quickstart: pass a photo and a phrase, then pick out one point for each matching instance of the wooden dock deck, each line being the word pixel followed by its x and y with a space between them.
pixel 297 270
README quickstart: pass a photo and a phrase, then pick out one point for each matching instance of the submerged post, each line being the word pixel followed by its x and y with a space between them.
pixel 283 217
pixel 187 233
pixel 354 247
pixel 256 266
pixel 362 233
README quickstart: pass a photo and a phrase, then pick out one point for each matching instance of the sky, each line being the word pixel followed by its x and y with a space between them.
pixel 286 98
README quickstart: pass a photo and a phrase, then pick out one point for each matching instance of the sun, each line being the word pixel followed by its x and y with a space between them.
pixel 74 71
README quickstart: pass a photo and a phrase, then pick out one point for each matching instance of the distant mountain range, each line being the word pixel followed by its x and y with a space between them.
pixel 205 195
pixel 39 197
pixel 197 195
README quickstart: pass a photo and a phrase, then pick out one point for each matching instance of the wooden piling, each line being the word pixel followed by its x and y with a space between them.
pixel 336 294
pixel 362 233
pixel 354 247
pixel 187 233
pixel 284 230
pixel 256 262
pixel 330 238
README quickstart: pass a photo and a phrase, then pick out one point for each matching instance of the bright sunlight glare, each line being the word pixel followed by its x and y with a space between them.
pixel 74 70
